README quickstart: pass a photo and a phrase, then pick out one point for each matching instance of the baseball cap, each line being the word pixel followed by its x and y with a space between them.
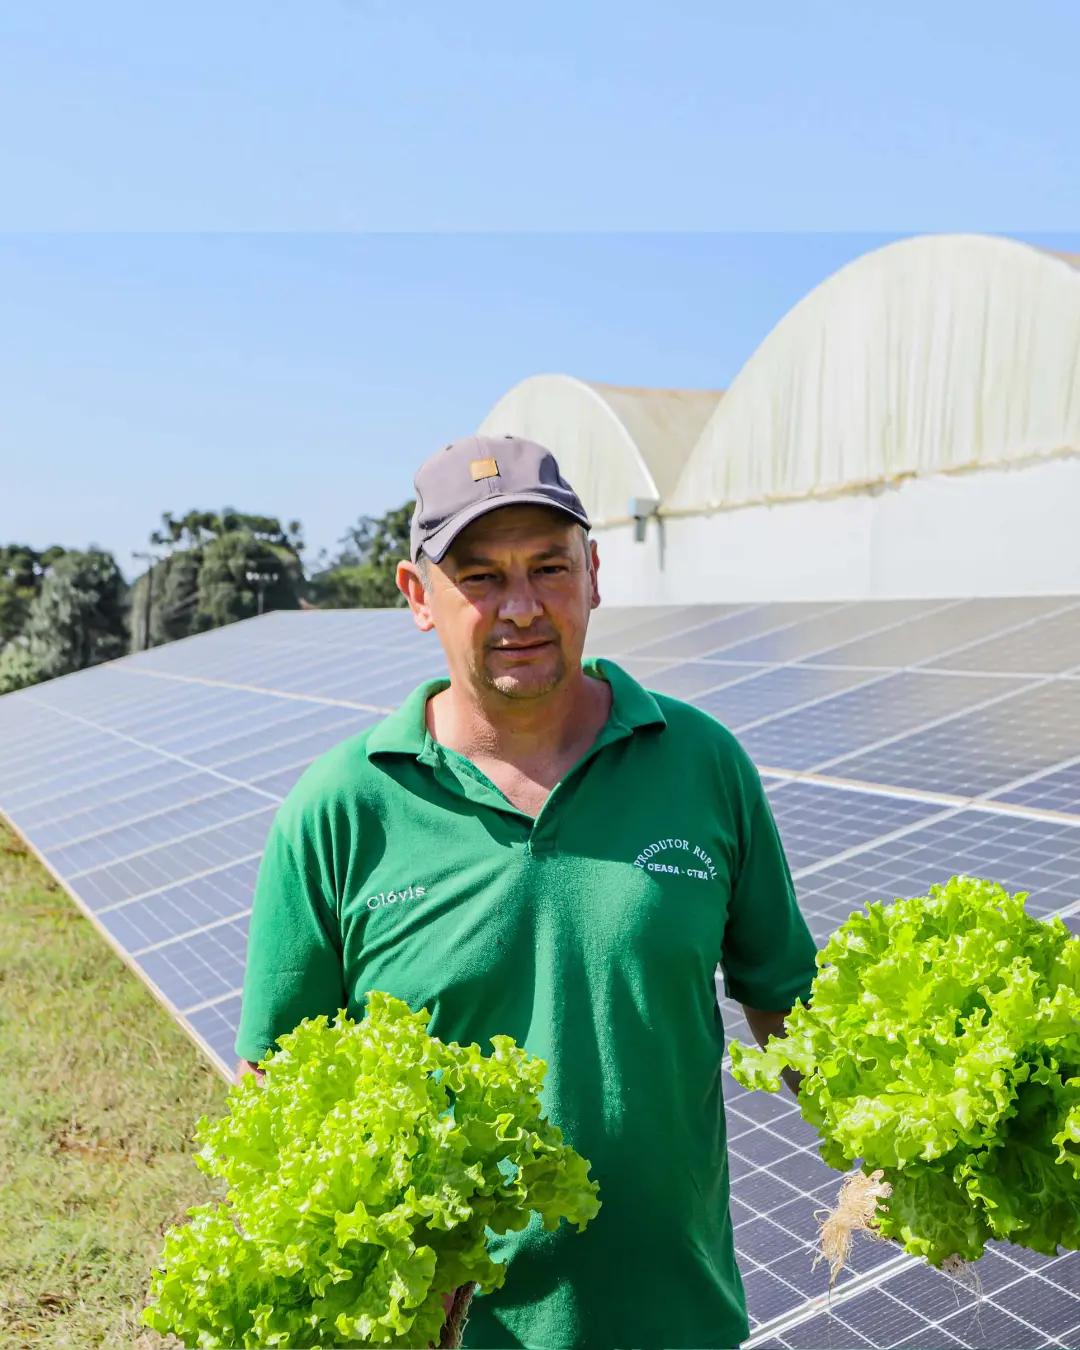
pixel 478 474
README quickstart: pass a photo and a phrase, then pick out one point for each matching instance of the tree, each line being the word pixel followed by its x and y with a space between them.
pixel 203 583
pixel 22 570
pixel 79 616
pixel 225 592
pixel 17 668
pixel 363 574
pixel 198 527
pixel 174 594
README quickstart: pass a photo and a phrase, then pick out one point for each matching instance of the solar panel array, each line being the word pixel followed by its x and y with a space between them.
pixel 900 743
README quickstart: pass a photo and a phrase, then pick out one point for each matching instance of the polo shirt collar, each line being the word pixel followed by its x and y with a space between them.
pixel 404 731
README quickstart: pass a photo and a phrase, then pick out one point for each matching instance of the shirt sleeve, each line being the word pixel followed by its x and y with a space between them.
pixel 294 961
pixel 769 955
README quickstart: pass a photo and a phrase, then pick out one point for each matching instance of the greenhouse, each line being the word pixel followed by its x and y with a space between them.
pixel 914 411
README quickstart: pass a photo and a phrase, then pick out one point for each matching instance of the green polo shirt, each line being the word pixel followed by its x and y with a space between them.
pixel 591 935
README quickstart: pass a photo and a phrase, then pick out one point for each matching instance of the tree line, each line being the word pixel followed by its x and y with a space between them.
pixel 62 610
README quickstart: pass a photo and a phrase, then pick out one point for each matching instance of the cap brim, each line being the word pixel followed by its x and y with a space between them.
pixel 435 546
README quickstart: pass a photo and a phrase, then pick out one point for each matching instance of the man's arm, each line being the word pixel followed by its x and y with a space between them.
pixel 294 967
pixel 766 1024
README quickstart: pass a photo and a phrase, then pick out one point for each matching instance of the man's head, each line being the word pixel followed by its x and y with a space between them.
pixel 502 566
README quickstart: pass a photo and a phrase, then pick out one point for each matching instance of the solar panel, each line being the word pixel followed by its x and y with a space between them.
pixel 1055 790
pixel 818 822
pixel 872 714
pixel 900 742
pixel 1049 646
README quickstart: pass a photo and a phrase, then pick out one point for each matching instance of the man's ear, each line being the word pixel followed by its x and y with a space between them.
pixel 410 582
pixel 594 560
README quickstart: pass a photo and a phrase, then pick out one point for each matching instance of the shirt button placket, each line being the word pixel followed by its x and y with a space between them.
pixel 541 841
pixel 542 834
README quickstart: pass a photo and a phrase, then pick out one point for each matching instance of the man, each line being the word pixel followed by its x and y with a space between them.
pixel 545 850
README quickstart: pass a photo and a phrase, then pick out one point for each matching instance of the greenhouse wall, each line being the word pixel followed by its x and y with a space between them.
pixel 1012 531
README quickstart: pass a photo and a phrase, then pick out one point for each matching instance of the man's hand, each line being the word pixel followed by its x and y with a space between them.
pixel 245 1067
pixel 766 1024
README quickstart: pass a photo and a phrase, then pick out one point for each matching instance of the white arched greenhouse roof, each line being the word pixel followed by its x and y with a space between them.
pixel 930 355
pixel 612 443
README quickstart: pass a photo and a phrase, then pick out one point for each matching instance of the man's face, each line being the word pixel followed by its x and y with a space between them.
pixel 511 600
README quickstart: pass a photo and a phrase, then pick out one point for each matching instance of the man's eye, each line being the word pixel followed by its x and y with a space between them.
pixel 553 568
pixel 478 576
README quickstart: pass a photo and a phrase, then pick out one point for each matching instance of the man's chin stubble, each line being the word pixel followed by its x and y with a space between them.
pixel 510 687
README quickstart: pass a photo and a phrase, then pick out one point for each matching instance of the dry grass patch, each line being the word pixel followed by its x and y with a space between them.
pixel 101 1092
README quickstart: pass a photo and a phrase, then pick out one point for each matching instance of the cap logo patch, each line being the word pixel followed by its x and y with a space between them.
pixel 483 468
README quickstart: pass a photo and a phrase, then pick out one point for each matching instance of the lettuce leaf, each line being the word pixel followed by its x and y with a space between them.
pixel 941 1045
pixel 362 1177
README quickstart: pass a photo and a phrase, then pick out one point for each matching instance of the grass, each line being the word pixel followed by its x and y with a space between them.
pixel 100 1094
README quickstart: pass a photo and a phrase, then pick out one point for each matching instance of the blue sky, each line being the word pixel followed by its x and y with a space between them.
pixel 240 248
pixel 307 375
pixel 488 115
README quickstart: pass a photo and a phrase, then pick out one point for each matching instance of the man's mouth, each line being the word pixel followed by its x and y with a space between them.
pixel 518 648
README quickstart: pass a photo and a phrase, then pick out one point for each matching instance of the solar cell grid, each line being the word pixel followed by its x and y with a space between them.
pixel 59 736
pixel 216 1026
pixel 158 867
pixel 108 791
pixel 779 1183
pixel 22 773
pixel 827 630
pixel 645 639
pixel 178 911
pixel 66 826
pixel 1058 790
pixel 389 693
pixel 817 823
pixel 639 627
pixel 362 658
pixel 1037 856
pixel 756 698
pixel 228 743
pixel 302 750
pixel 81 773
pixel 943 631
pixel 983 750
pixel 112 790
pixel 692 679
pixel 829 731
pixel 170 726
pixel 280 782
pixel 208 965
pixel 141 720
pixel 32 738
pixel 95 850
pixel 319 677
pixel 699 639
pixel 357 678
pixel 103 690
pixel 1047 647
pixel 1018 1306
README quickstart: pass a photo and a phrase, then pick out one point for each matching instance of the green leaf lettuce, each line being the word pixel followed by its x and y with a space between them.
pixel 941 1045
pixel 362 1177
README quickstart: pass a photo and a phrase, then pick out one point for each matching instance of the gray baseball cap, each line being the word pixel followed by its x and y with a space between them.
pixel 478 474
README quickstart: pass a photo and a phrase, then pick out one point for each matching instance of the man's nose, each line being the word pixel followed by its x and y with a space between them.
pixel 519 604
